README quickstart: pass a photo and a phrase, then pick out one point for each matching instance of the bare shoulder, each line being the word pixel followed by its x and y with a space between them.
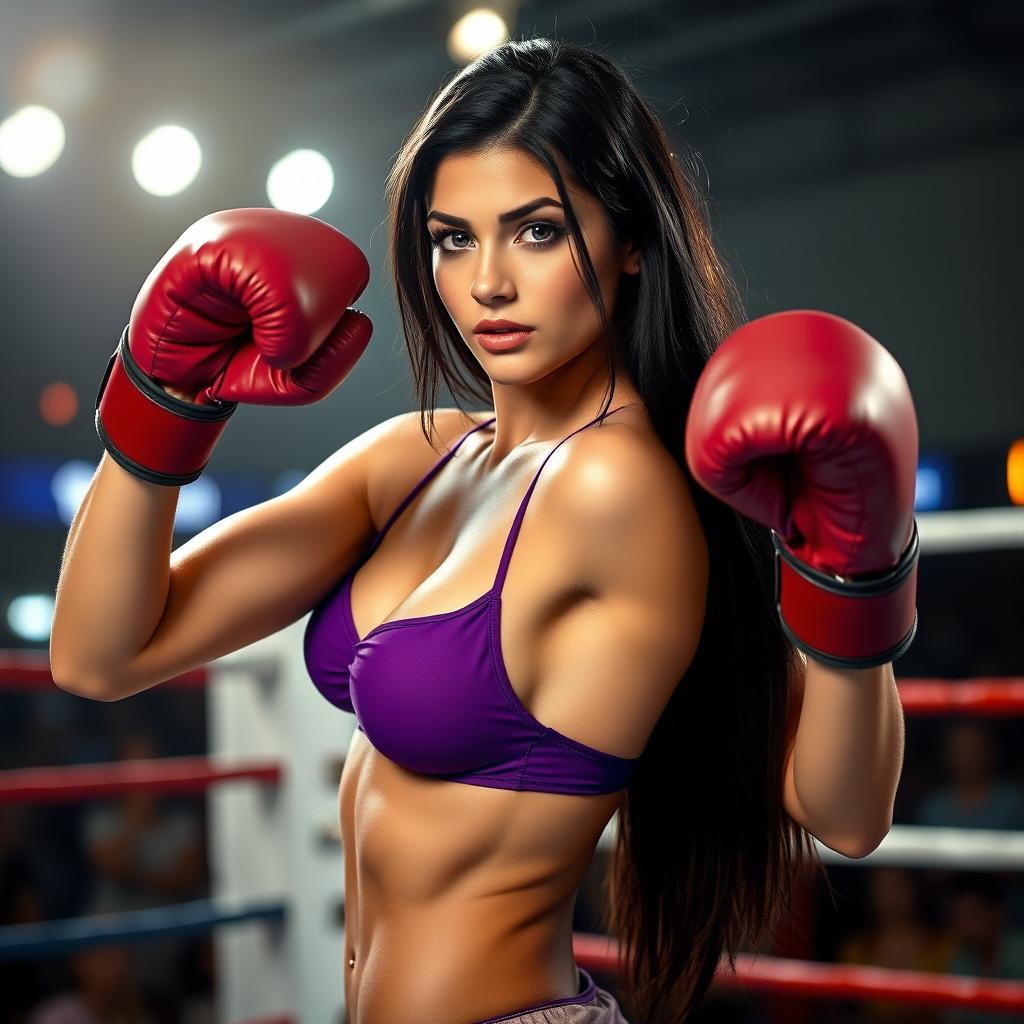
pixel 404 453
pixel 405 437
pixel 618 479
pixel 628 515
pixel 622 513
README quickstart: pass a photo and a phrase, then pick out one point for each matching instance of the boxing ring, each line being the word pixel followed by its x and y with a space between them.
pixel 276 910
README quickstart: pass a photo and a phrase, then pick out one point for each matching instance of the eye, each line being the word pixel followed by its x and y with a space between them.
pixel 544 226
pixel 556 231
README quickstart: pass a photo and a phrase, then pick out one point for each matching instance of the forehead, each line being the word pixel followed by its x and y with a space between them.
pixel 491 180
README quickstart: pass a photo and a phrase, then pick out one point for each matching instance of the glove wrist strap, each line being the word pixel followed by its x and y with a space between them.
pixel 848 623
pixel 150 433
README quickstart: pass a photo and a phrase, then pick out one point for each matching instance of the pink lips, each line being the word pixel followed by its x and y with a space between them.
pixel 500 326
pixel 504 342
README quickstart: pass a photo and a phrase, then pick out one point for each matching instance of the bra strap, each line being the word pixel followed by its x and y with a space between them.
pixel 425 480
pixel 513 534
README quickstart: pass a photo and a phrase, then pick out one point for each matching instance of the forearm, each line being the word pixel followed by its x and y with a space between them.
pixel 114 576
pixel 848 752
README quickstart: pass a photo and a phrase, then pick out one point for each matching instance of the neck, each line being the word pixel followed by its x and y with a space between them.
pixel 547 409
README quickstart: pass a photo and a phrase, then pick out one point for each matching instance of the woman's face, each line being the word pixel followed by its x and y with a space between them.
pixel 521 269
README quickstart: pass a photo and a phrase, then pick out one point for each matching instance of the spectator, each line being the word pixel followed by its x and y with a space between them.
pixel 21 981
pixel 974 797
pixel 105 991
pixel 145 854
pixel 896 937
pixel 983 945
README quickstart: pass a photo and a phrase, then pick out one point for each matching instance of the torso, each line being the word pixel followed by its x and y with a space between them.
pixel 459 898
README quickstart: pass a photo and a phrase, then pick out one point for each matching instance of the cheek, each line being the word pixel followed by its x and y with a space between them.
pixel 557 287
pixel 446 284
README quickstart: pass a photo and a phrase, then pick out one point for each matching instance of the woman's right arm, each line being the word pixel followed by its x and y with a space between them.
pixel 130 613
pixel 247 306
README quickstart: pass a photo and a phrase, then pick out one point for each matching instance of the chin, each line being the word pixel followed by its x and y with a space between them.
pixel 501 371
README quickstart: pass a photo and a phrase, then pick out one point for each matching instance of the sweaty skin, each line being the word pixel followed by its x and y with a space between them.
pixel 459 898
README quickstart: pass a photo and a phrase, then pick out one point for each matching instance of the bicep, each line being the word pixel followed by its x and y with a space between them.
pixel 641 547
pixel 262 568
pixel 640 552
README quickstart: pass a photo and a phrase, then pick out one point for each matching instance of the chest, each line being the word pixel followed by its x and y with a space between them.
pixel 458 546
pixel 471 644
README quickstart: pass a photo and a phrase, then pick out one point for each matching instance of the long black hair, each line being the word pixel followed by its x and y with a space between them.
pixel 706 855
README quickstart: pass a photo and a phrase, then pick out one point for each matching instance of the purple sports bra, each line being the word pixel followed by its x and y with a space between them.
pixel 432 694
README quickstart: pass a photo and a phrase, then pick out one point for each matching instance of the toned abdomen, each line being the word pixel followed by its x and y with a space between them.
pixel 458 898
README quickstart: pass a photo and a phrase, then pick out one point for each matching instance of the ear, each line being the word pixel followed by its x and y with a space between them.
pixel 630 258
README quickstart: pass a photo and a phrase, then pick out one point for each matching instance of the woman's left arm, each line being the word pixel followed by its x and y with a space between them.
pixel 805 423
pixel 844 763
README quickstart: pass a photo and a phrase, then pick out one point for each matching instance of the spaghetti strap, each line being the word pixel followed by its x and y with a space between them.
pixel 513 534
pixel 427 477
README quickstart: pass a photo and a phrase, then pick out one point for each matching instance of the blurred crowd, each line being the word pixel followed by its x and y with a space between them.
pixel 62 860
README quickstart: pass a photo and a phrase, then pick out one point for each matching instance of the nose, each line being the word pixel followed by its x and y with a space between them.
pixel 491 280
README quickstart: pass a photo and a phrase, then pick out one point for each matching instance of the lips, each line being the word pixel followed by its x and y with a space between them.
pixel 499 327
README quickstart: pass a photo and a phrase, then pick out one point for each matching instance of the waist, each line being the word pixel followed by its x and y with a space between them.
pixel 462 968
pixel 423 841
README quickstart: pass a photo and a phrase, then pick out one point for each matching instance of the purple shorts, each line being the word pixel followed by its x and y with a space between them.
pixel 591 1005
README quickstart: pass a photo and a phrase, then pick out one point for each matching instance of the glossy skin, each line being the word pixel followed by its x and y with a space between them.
pixel 459 898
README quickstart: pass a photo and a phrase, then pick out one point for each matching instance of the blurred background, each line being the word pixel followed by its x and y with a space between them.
pixel 863 157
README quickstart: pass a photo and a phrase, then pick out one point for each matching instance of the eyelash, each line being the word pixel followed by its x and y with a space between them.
pixel 439 235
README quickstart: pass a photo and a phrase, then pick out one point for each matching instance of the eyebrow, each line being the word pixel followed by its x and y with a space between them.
pixel 503 218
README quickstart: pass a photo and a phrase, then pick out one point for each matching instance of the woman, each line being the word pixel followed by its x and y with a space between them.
pixel 510 613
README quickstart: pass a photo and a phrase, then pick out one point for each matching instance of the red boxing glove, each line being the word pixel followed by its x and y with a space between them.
pixel 805 423
pixel 247 306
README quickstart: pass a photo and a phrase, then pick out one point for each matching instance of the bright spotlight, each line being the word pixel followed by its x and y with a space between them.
pixel 475 33
pixel 302 181
pixel 31 140
pixel 1015 472
pixel 29 616
pixel 68 485
pixel 167 160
